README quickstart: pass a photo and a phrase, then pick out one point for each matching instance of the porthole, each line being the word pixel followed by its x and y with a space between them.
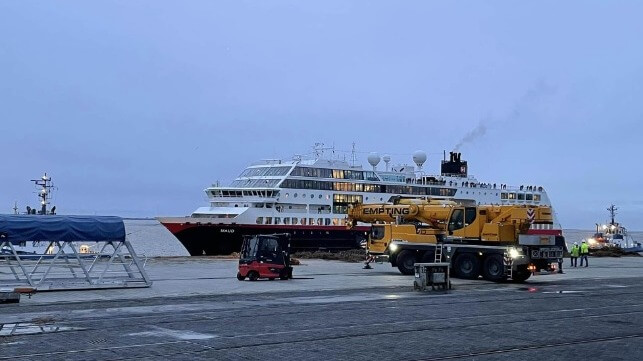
pixel 295 195
pixel 312 196
pixel 320 196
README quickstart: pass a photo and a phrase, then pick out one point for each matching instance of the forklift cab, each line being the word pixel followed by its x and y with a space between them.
pixel 265 256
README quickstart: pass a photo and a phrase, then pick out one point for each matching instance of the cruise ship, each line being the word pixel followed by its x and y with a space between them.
pixel 309 199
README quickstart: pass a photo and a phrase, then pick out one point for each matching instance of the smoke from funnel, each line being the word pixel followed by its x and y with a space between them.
pixel 472 135
pixel 519 112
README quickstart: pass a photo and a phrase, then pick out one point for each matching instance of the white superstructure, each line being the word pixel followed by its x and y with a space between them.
pixel 317 192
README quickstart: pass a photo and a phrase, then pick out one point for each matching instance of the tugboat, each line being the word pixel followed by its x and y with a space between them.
pixel 45 187
pixel 613 234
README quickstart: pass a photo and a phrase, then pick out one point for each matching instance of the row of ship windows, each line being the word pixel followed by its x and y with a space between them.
pixel 265 171
pixel 235 193
pixel 249 183
pixel 342 198
pixel 446 192
pixel 520 196
pixel 334 173
pixel 373 188
pixel 302 221
pixel 400 178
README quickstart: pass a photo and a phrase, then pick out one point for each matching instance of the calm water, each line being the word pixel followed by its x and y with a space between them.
pixel 150 238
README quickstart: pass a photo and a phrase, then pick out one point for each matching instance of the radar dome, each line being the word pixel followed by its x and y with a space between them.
pixel 374 159
pixel 419 157
pixel 387 159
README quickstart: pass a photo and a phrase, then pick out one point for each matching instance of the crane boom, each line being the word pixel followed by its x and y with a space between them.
pixel 430 221
pixel 431 213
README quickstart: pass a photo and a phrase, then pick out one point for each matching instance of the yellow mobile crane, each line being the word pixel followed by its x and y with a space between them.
pixel 495 241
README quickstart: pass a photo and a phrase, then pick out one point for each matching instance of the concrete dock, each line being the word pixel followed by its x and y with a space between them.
pixel 197 310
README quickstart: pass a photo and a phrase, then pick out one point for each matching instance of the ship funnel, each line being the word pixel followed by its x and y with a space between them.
pixel 455 166
pixel 455 157
pixel 374 160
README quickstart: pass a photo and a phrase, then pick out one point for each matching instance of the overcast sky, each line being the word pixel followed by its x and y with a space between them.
pixel 134 107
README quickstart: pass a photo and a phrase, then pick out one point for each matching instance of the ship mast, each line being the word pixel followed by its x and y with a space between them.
pixel 353 156
pixel 46 185
pixel 612 209
pixel 319 150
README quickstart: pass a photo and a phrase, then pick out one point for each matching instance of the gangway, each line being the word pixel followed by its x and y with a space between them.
pixel 55 262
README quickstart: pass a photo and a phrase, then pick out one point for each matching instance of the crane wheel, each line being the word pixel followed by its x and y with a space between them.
pixel 520 275
pixel 406 262
pixel 429 257
pixel 253 275
pixel 240 277
pixel 493 268
pixel 467 265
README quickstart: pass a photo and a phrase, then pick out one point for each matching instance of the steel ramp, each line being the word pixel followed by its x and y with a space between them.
pixel 115 265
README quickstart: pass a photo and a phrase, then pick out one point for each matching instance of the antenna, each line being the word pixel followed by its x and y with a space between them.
pixel 46 186
pixel 353 157
pixel 612 209
pixel 15 207
pixel 319 149
pixel 387 160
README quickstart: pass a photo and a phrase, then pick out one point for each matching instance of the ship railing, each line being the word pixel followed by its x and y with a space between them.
pixel 426 183
pixel 528 188
pixel 496 186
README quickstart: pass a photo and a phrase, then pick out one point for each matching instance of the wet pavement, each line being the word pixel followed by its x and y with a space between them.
pixel 198 310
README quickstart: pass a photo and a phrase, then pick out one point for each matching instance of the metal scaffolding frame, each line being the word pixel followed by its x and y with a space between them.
pixel 116 265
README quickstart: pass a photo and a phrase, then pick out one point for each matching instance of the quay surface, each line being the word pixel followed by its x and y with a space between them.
pixel 197 310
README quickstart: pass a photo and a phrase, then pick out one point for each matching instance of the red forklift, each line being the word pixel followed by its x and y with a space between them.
pixel 265 256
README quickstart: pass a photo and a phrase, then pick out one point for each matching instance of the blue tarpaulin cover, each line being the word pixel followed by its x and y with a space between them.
pixel 27 228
